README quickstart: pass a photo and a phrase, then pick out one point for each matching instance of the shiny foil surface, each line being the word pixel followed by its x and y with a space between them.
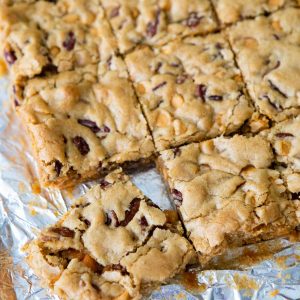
pixel 26 208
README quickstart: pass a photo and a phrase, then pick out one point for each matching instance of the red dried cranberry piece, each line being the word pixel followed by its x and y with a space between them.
pixel 283 134
pixel 90 124
pixel 105 129
pixel 16 102
pixel 181 79
pixel 143 222
pixel 103 184
pixel 159 86
pixel 57 166
pixel 152 26
pixel 10 57
pixel 176 151
pixel 201 91
pixel 193 20
pixel 130 213
pixel 215 98
pixel 63 231
pixel 81 145
pixel 177 197
pixel 112 219
pixel 114 12
pixel 69 42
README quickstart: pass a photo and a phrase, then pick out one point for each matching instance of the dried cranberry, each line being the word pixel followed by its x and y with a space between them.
pixel 57 166
pixel 177 197
pixel 81 145
pixel 215 97
pixel 105 129
pixel 283 134
pixel 152 26
pixel 201 91
pixel 181 79
pixel 90 124
pixel 114 12
pixel 193 20
pixel 130 213
pixel 16 102
pixel 112 219
pixel 103 184
pixel 176 151
pixel 157 68
pixel 159 86
pixel 10 57
pixel 143 222
pixel 69 42
pixel 63 231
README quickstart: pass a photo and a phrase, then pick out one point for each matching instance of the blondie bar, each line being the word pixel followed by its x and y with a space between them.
pixel 267 51
pixel 157 22
pixel 229 11
pixel 190 89
pixel 82 124
pixel 228 194
pixel 53 36
pixel 110 245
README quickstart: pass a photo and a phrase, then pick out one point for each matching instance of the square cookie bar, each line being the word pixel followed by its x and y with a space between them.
pixel 54 36
pixel 190 90
pixel 155 22
pixel 229 11
pixel 110 245
pixel 228 194
pixel 83 124
pixel 267 51
pixel 285 140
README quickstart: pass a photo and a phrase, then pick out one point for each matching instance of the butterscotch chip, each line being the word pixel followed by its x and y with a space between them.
pixel 190 89
pixel 233 196
pixel 112 242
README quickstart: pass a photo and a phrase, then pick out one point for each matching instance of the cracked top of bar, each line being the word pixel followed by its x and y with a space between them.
pixel 267 50
pixel 228 194
pixel 112 242
pixel 82 124
pixel 54 35
pixel 155 22
pixel 229 11
pixel 190 89
pixel 285 139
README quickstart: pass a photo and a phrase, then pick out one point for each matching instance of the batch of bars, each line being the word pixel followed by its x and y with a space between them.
pixel 210 91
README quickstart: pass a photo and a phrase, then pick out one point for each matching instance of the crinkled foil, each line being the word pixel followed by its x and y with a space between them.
pixel 26 208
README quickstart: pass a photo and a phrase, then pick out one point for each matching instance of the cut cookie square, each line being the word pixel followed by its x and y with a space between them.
pixel 228 194
pixel 190 90
pixel 229 11
pixel 112 243
pixel 267 51
pixel 53 36
pixel 285 140
pixel 83 124
pixel 157 22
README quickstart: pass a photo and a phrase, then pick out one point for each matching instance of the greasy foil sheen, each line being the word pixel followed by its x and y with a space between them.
pixel 25 209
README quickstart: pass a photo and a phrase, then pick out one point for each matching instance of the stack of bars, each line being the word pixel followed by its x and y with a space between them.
pixel 210 91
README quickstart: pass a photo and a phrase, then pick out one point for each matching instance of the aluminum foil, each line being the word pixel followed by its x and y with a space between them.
pixel 26 208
